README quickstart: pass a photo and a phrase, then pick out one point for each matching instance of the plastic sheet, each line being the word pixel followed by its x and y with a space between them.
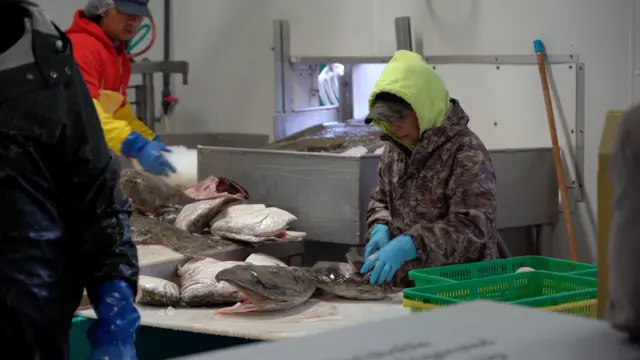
pixel 198 284
pixel 157 292
pixel 269 222
pixel 195 217
pixel 282 236
pixel 238 209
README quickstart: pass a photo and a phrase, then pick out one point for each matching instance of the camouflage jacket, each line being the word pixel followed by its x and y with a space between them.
pixel 443 195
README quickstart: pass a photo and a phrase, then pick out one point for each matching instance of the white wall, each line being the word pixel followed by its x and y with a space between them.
pixel 228 44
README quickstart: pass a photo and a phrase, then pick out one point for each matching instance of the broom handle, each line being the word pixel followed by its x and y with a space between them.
pixel 540 53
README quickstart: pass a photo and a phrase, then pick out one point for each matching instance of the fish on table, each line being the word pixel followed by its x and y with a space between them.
pixel 267 287
pixel 152 195
pixel 344 280
pixel 148 231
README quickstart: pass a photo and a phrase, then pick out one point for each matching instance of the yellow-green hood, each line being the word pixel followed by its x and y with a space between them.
pixel 410 77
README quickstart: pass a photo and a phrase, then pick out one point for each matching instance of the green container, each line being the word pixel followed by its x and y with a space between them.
pixel 591 274
pixel 479 270
pixel 154 343
pixel 526 288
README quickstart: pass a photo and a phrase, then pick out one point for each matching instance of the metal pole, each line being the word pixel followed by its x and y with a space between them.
pixel 149 103
pixel 166 77
pixel 403 33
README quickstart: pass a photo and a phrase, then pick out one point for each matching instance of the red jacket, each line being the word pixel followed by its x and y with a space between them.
pixel 101 65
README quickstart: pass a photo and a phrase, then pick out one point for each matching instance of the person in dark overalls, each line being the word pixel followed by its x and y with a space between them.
pixel 623 311
pixel 64 225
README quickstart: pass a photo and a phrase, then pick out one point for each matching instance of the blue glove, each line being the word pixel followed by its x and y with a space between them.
pixel 379 238
pixel 389 259
pixel 113 334
pixel 148 153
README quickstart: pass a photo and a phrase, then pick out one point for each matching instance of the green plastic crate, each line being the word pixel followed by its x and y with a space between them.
pixel 479 270
pixel 591 274
pixel 533 288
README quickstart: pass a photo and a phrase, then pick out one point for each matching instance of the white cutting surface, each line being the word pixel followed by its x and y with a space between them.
pixel 312 317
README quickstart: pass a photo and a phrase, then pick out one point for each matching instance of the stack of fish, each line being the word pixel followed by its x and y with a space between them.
pixel 216 206
pixel 259 284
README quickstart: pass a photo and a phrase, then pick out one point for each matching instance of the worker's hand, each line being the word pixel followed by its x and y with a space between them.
pixel 153 161
pixel 118 319
pixel 379 238
pixel 390 259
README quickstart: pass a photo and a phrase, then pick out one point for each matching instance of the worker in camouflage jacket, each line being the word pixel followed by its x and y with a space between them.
pixel 435 202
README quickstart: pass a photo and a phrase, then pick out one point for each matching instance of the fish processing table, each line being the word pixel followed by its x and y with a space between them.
pixel 313 317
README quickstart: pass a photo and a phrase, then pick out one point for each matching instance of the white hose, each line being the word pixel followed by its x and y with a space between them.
pixel 329 84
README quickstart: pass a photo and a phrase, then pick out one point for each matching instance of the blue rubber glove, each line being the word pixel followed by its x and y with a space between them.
pixel 379 238
pixel 148 153
pixel 390 259
pixel 113 334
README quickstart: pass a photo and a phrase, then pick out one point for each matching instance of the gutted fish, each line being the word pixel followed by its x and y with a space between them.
pixel 199 286
pixel 148 231
pixel 255 240
pixel 345 280
pixel 215 187
pixel 267 287
pixel 157 292
pixel 151 195
pixel 263 259
pixel 268 222
pixel 195 217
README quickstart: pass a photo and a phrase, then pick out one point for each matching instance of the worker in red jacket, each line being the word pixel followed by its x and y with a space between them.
pixel 99 34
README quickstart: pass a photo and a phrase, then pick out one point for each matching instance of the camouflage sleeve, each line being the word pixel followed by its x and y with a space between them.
pixel 378 211
pixel 471 194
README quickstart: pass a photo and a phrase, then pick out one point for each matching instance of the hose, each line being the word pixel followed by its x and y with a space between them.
pixel 328 84
pixel 145 30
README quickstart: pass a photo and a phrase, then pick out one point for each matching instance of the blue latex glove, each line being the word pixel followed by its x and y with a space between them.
pixel 112 336
pixel 389 259
pixel 148 153
pixel 379 238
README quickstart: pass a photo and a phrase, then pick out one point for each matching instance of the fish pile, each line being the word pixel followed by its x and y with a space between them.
pixel 332 138
pixel 263 284
pixel 215 207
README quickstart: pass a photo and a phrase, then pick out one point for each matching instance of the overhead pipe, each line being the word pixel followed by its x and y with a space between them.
pixel 167 98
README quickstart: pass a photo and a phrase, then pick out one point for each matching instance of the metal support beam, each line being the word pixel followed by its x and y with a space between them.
pixel 440 59
pixel 403 33
pixel 345 110
pixel 165 67
pixel 580 125
pixel 282 67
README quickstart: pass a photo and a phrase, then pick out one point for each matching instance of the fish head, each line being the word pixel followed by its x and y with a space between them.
pixel 344 280
pixel 150 194
pixel 267 287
